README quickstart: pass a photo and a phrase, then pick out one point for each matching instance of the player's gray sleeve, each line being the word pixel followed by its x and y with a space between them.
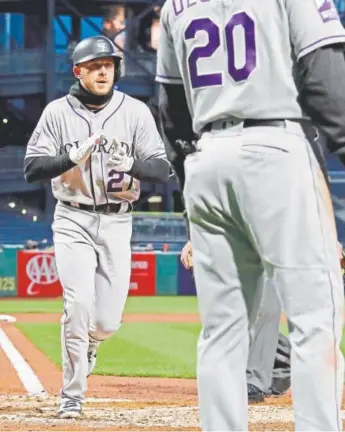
pixel 44 140
pixel 167 65
pixel 148 143
pixel 313 24
pixel 322 94
pixel 150 162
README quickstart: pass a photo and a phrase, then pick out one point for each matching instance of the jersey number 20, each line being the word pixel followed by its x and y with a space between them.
pixel 206 51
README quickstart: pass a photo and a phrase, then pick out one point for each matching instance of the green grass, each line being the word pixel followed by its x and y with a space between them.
pixel 148 305
pixel 285 331
pixel 30 306
pixel 137 349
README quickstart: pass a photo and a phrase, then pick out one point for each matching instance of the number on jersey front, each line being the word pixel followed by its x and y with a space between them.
pixel 238 74
pixel 115 181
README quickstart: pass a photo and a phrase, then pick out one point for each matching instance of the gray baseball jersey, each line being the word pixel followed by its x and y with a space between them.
pixel 235 60
pixel 66 122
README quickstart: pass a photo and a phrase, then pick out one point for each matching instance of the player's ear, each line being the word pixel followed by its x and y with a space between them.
pixel 76 71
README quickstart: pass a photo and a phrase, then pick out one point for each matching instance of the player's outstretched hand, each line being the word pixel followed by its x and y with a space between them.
pixel 81 154
pixel 186 256
pixel 119 159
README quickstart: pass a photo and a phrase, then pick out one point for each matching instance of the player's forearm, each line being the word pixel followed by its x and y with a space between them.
pixel 46 167
pixel 322 94
pixel 177 163
pixel 154 170
pixel 174 116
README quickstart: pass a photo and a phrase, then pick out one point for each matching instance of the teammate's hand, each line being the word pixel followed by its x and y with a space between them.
pixel 81 154
pixel 187 147
pixel 186 256
pixel 119 159
pixel 341 254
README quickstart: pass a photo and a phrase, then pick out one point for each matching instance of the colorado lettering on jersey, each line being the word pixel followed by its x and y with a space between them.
pixel 66 123
pixel 104 147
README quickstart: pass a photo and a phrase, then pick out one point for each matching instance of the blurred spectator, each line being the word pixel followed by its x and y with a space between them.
pixel 70 49
pixel 149 247
pixel 154 40
pixel 31 245
pixel 114 22
pixel 148 36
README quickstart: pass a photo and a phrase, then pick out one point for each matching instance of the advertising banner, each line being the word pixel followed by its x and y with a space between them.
pixel 166 273
pixel 37 275
pixel 8 267
pixel 143 277
pixel 186 284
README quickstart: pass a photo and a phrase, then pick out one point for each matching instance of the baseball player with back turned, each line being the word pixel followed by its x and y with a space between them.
pixel 256 197
pixel 96 145
pixel 268 368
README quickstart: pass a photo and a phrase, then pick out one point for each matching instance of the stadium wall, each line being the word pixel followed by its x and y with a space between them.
pixel 33 274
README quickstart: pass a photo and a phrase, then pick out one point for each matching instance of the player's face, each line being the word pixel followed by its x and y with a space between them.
pixel 97 76
pixel 118 22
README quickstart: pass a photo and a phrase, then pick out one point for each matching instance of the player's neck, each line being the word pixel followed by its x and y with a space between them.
pixel 92 101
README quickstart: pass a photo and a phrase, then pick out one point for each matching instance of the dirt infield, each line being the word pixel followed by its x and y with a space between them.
pixel 114 403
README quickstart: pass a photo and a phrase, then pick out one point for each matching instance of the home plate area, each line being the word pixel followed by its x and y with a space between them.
pixel 37 413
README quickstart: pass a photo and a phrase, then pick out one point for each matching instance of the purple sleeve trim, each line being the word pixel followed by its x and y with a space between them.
pixel 169 77
pixel 331 39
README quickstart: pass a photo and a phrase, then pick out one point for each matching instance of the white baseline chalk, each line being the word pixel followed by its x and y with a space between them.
pixel 27 376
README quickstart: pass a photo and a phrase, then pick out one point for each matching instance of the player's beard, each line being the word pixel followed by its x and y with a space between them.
pixel 87 98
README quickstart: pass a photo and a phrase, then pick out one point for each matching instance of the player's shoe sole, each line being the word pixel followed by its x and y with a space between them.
pixel 68 414
pixel 69 409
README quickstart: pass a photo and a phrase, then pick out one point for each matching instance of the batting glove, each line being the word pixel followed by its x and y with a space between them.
pixel 81 154
pixel 119 159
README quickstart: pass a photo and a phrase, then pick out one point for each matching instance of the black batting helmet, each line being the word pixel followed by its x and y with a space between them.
pixel 97 47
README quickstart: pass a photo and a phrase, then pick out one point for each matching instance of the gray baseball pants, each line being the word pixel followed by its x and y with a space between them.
pixel 258 205
pixel 93 259
pixel 263 335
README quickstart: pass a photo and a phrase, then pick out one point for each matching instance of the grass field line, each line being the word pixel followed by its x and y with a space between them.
pixel 25 373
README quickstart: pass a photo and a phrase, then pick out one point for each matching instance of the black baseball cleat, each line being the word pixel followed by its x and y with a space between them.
pixel 255 395
pixel 280 386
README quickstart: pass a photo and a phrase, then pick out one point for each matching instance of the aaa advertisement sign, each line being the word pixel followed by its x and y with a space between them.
pixel 37 274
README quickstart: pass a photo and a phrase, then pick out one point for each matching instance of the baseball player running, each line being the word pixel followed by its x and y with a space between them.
pixel 96 145
pixel 256 198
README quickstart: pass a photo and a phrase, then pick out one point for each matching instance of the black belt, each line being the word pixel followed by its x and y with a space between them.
pixel 251 123
pixel 101 208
